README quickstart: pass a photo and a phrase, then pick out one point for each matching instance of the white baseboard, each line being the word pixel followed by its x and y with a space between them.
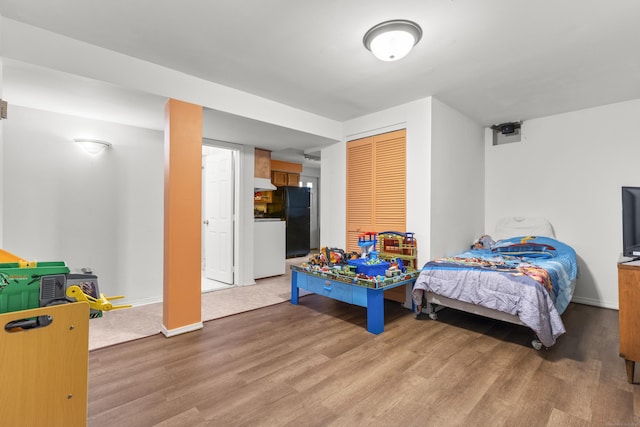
pixel 144 301
pixel 182 330
pixel 595 302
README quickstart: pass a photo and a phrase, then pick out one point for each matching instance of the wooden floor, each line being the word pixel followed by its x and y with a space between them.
pixel 316 365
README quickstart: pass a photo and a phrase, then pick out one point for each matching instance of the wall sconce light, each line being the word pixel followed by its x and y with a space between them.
pixel 392 40
pixel 93 146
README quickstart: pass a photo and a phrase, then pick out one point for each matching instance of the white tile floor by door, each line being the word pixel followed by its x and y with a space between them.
pixel 209 285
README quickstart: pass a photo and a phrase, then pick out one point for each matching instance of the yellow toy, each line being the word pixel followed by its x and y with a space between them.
pixel 28 284
pixel 101 304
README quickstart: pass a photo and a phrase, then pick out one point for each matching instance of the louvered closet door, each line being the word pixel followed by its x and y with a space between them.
pixel 390 180
pixel 376 185
pixel 390 191
pixel 360 206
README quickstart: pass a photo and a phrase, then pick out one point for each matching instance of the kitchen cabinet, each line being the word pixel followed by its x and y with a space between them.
pixel 279 178
pixel 262 163
pixel 293 179
pixel 285 173
pixel 282 178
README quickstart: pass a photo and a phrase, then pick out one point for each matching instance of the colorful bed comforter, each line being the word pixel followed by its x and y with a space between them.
pixel 532 278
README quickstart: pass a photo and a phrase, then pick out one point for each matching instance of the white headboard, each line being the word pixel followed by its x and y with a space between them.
pixel 522 226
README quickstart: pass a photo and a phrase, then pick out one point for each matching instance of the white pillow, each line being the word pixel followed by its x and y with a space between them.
pixel 522 226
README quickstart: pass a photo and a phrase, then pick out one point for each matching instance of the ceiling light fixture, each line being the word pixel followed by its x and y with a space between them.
pixel 392 40
pixel 93 146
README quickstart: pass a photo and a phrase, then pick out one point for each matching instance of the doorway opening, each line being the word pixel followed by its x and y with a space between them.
pixel 313 182
pixel 219 201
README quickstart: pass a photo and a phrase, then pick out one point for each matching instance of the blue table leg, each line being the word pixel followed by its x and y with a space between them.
pixel 375 311
pixel 294 287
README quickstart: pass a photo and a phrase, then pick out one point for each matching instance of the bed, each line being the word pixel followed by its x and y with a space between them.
pixel 523 276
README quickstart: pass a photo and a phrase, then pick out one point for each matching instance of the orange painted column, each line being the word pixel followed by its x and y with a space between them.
pixel 181 308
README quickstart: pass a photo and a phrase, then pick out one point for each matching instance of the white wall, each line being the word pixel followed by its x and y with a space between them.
pixel 103 212
pixel 457 184
pixel 243 257
pixel 310 171
pixel 569 169
pixel 1 156
pixel 445 167
pixel 333 176
pixel 32 45
pixel 416 118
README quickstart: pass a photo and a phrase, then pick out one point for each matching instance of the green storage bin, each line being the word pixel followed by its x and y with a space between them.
pixel 20 287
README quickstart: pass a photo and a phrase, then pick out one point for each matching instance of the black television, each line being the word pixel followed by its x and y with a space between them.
pixel 631 222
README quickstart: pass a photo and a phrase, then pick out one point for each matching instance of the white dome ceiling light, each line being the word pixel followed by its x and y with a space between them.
pixel 392 40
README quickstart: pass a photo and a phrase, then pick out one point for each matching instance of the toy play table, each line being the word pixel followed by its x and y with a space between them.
pixel 370 298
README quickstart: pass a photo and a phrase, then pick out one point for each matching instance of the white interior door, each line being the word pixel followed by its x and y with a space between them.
pixel 218 215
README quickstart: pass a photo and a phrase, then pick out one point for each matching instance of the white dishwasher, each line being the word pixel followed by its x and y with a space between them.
pixel 269 247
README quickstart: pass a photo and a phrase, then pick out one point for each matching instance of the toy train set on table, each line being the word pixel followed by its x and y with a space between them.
pixel 29 284
pixel 396 261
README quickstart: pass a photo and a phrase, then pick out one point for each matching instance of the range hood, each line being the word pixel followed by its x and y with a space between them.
pixel 263 184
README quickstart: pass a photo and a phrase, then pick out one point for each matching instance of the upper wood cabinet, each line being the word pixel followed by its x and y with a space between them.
pixel 262 163
pixel 293 179
pixel 279 178
pixel 285 173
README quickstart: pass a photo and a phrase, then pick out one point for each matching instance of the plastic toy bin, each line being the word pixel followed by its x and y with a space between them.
pixel 20 287
pixel 369 269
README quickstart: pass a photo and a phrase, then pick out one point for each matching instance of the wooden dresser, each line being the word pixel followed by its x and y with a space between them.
pixel 629 315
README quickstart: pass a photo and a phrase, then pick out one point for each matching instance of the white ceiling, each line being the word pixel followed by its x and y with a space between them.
pixel 493 60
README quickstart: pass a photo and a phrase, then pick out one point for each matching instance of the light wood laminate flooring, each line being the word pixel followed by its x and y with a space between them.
pixel 315 364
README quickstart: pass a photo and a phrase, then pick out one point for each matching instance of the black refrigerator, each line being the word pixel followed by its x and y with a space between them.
pixel 296 211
